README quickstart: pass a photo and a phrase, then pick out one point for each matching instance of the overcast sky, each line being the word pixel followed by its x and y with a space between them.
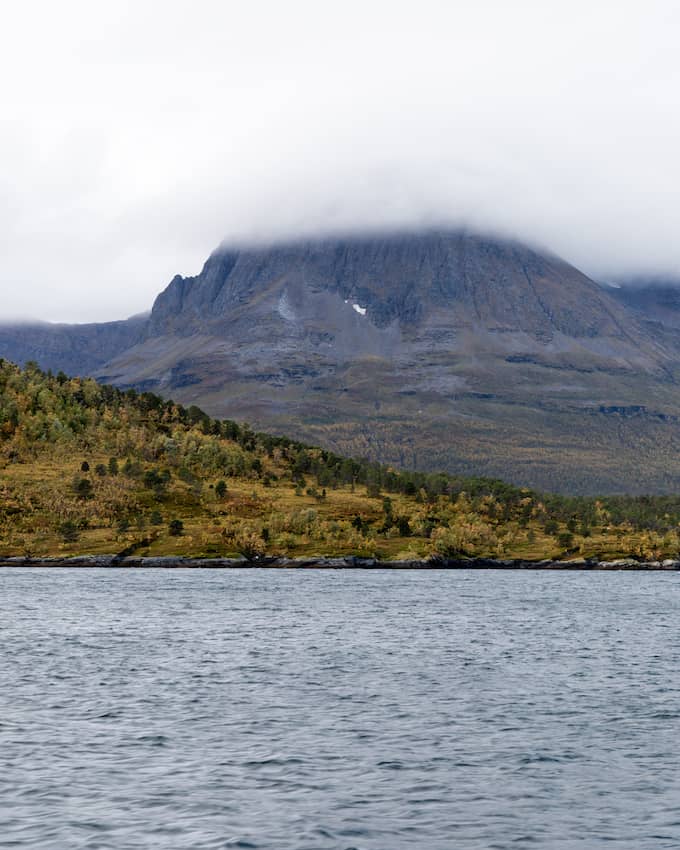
pixel 135 136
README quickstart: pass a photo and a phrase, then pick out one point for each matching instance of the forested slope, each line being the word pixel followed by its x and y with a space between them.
pixel 88 468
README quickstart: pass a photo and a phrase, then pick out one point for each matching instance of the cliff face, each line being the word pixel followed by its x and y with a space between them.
pixel 405 279
pixel 431 350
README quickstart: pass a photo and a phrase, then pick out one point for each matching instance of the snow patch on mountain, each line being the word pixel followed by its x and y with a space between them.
pixel 357 308
pixel 284 308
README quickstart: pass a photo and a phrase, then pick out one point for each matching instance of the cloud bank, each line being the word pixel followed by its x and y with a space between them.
pixel 134 137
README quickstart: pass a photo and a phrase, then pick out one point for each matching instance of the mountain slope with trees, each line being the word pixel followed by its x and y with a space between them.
pixel 89 468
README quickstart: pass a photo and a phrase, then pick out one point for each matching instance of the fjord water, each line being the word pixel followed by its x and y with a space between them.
pixel 375 709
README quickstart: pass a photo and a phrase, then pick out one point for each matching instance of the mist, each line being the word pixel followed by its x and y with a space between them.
pixel 138 136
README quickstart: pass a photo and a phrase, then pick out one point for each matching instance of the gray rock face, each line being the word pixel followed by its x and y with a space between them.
pixel 502 285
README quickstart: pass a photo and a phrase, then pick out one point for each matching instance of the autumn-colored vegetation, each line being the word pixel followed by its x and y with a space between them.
pixel 87 468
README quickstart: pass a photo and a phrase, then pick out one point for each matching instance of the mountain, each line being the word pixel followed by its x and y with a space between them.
pixel 656 300
pixel 73 349
pixel 90 469
pixel 437 350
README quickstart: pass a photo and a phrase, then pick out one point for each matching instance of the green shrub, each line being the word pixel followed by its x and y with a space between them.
pixel 82 487
pixel 69 532
pixel 176 528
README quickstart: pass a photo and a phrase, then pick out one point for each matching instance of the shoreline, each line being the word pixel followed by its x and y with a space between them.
pixel 329 563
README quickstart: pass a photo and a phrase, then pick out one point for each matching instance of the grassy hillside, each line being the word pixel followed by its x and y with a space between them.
pixel 87 468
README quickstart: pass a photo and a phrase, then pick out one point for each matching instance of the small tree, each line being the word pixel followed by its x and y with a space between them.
pixel 132 468
pixel 156 481
pixel 551 527
pixel 69 532
pixel 113 466
pixel 404 526
pixel 84 466
pixel 156 518
pixel 82 487
pixel 250 544
pixel 176 528
pixel 566 540
pixel 100 470
pixel 220 489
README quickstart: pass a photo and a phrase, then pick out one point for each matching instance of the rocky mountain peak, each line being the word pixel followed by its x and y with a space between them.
pixel 481 281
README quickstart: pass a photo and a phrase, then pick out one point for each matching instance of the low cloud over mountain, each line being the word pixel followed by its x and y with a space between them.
pixel 134 139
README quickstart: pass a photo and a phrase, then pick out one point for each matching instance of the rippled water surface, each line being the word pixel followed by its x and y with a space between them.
pixel 264 709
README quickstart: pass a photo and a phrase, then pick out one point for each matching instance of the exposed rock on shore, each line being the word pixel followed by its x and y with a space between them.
pixel 115 561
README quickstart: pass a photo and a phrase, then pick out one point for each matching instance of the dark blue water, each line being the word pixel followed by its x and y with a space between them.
pixel 264 709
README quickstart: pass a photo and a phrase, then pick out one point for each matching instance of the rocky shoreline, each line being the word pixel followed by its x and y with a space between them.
pixel 343 563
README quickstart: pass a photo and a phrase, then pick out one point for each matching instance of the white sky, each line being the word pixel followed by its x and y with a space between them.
pixel 135 136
